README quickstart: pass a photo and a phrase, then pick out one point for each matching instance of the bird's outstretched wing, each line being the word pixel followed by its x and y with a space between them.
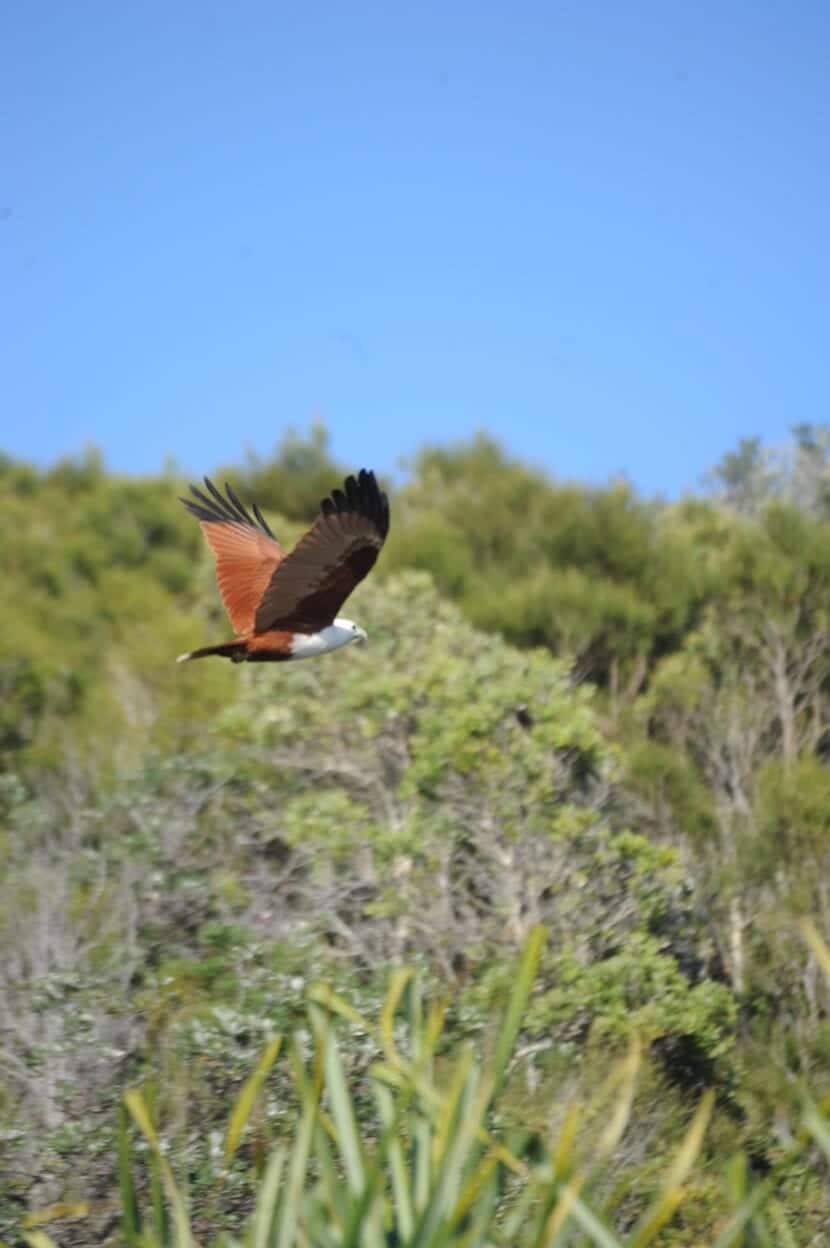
pixel 245 548
pixel 310 584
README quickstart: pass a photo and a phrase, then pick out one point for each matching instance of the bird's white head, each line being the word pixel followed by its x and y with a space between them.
pixel 348 630
pixel 332 637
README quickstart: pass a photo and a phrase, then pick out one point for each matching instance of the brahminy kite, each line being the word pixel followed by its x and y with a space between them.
pixel 284 606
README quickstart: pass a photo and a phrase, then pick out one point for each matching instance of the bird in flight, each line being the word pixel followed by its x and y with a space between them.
pixel 284 605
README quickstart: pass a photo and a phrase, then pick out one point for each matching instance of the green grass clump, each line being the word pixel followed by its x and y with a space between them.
pixel 408 1153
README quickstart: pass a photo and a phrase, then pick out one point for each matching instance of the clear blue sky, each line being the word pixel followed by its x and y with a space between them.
pixel 599 230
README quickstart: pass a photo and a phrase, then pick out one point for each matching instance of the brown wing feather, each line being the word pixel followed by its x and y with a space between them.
pixel 246 551
pixel 310 585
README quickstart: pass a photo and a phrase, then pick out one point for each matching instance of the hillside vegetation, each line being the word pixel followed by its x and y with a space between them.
pixel 578 708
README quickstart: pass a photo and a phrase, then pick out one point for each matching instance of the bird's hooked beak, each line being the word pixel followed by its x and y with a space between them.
pixel 361 635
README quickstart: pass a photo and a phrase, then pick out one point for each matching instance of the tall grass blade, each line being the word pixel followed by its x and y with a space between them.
pixel 345 1122
pixel 136 1105
pixel 364 1226
pixel 563 1155
pixel 334 1192
pixel 399 1174
pixel 760 1234
pixel 481 1213
pixel 478 1182
pixel 322 994
pixel 602 1235
pixel 400 979
pixel 671 1196
pixel 64 1209
pixel 448 1113
pixel 452 1133
pixel 265 1213
pixel 247 1097
pixel 130 1217
pixel 292 1197
pixel 525 979
pixel 422 1158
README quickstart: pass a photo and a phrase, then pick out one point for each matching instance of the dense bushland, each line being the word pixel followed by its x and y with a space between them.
pixel 578 708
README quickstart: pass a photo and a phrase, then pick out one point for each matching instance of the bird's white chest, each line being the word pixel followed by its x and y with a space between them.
pixel 309 645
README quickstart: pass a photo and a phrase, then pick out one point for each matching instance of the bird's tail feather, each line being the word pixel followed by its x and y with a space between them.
pixel 227 650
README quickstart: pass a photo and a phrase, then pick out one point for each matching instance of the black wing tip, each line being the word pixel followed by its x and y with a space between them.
pixel 218 509
pixel 360 494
